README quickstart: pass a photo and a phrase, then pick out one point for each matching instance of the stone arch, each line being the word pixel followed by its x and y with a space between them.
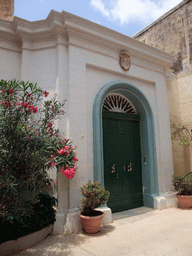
pixel 147 137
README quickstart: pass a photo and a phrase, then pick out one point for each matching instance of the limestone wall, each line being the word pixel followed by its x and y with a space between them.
pixel 173 34
pixel 7 9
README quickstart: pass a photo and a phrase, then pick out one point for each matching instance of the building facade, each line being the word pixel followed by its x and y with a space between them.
pixel 116 110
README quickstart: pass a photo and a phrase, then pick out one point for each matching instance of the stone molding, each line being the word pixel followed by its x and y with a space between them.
pixel 71 27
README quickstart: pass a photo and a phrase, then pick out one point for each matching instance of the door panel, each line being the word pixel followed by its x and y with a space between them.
pixel 122 161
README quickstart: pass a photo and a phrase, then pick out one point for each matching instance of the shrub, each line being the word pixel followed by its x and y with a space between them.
pixel 182 184
pixel 30 217
pixel 93 197
pixel 30 144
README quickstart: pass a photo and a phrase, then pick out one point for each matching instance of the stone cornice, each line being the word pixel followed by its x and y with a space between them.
pixel 42 30
pixel 74 30
pixel 92 32
pixel 8 38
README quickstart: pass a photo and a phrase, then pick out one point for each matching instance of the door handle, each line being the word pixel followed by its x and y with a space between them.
pixel 113 168
pixel 129 167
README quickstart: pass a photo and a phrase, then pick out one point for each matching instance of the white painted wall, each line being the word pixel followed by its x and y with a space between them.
pixel 10 64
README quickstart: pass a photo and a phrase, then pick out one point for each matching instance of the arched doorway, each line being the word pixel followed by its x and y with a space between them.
pixel 122 153
pixel 146 132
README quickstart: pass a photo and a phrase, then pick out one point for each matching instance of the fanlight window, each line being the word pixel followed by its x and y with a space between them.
pixel 118 103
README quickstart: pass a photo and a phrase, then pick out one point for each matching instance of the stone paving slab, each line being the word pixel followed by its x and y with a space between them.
pixel 139 232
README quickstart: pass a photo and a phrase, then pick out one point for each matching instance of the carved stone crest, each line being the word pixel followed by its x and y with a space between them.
pixel 124 60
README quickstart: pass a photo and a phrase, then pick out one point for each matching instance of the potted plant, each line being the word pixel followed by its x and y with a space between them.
pixel 183 186
pixel 93 197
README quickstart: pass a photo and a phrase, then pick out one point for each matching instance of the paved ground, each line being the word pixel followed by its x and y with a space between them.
pixel 139 232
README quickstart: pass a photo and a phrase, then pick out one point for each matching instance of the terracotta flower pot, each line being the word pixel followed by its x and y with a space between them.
pixel 185 201
pixel 91 224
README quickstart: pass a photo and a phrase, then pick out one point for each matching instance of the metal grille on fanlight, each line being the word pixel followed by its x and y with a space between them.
pixel 118 103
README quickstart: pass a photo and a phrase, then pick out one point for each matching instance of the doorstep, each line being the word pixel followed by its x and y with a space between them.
pixel 131 213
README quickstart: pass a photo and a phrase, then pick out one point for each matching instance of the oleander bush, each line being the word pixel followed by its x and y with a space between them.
pixel 30 145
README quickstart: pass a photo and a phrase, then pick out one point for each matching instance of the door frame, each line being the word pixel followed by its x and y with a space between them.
pixel 147 137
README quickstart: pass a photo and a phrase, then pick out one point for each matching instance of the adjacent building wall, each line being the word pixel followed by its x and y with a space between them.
pixel 7 9
pixel 173 33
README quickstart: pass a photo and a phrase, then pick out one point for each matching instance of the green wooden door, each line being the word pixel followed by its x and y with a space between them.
pixel 122 160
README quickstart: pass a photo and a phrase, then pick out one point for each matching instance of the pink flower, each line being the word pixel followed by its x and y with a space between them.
pixel 11 91
pixel 53 164
pixel 18 104
pixel 32 108
pixel 50 124
pixel 6 104
pixel 62 152
pixel 52 156
pixel 28 137
pixel 35 110
pixel 75 159
pixel 25 105
pixel 67 147
pixel 63 141
pixel 45 93
pixel 69 173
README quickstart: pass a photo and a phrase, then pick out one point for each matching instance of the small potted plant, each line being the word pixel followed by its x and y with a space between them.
pixel 183 186
pixel 93 197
